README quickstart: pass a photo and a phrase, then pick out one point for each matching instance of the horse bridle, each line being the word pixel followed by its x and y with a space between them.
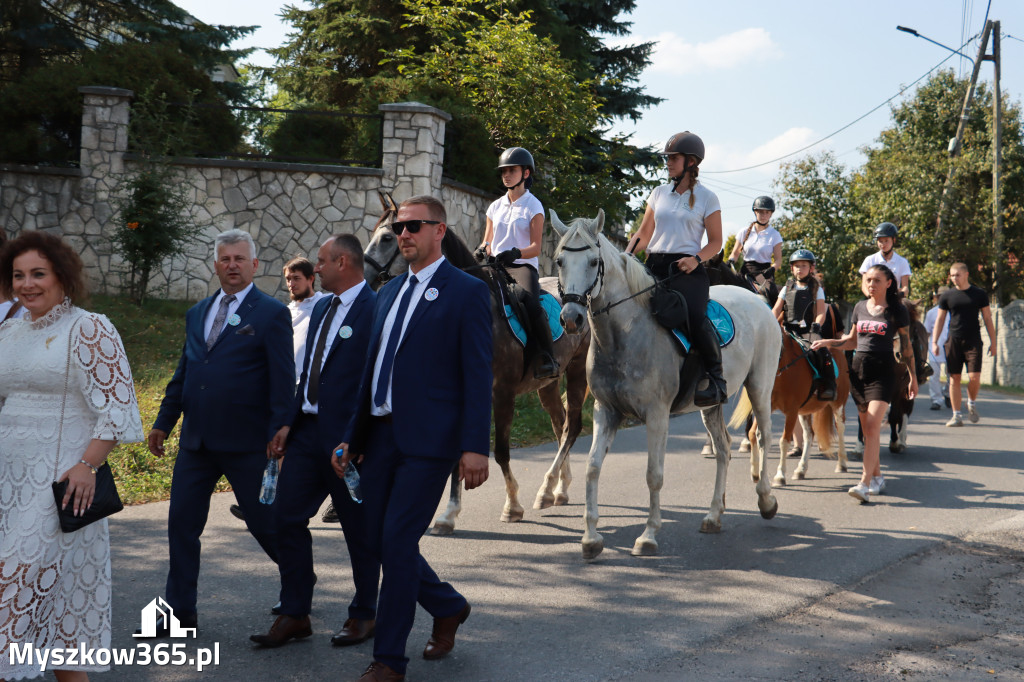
pixel 383 271
pixel 584 298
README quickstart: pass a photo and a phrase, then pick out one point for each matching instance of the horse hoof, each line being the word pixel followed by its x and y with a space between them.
pixel 707 451
pixel 442 529
pixel 895 448
pixel 779 481
pixel 840 469
pixel 543 502
pixel 709 526
pixel 745 446
pixel 561 499
pixel 591 550
pixel 645 548
pixel 799 475
pixel 755 477
pixel 511 516
pixel 770 513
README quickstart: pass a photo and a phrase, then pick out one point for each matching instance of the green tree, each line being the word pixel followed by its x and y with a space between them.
pixel 903 178
pixel 821 216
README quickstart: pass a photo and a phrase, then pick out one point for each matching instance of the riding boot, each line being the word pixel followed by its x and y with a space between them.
pixel 547 366
pixel 705 340
pixel 827 376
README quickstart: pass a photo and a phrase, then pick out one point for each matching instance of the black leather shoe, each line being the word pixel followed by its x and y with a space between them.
pixel 330 514
pixel 826 393
pixel 163 628
pixel 354 631
pixel 236 511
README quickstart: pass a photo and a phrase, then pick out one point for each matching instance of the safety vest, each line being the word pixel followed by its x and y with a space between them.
pixel 799 305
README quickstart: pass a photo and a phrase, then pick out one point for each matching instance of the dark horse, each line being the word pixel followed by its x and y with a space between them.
pixel 511 376
pixel 720 272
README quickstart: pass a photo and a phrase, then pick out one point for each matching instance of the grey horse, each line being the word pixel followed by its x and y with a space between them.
pixel 634 370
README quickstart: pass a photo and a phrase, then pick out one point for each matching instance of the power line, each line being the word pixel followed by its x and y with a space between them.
pixel 851 123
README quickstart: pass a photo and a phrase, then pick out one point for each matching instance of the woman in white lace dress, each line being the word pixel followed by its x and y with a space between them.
pixel 66 399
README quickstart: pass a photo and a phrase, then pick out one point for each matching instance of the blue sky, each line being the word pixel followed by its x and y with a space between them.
pixel 757 80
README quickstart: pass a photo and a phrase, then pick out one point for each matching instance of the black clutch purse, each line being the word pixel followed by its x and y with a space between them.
pixel 105 501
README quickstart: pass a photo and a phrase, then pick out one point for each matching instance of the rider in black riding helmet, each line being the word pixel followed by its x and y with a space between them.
pixel 677 218
pixel 760 244
pixel 515 227
pixel 801 308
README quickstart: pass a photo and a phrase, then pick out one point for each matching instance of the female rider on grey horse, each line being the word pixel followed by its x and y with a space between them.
pixel 677 218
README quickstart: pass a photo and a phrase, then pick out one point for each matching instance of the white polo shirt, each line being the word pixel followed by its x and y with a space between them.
pixel 898 264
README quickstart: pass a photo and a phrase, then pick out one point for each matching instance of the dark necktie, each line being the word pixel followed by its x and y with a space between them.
pixel 313 383
pixel 218 322
pixel 384 379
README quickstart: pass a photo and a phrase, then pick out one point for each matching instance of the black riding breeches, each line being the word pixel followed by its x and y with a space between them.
pixel 694 286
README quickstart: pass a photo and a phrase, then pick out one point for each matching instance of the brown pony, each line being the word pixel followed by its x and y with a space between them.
pixel 795 397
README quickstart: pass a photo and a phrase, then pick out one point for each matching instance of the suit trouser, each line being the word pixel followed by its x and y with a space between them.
pixel 196 473
pixel 401 494
pixel 305 481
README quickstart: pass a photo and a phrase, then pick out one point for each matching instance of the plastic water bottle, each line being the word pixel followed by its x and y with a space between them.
pixel 355 491
pixel 269 489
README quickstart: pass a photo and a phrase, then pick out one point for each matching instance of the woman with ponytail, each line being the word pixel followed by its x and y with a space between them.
pixel 677 218
pixel 876 322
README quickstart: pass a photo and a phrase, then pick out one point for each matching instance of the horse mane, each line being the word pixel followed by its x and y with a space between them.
pixel 912 310
pixel 638 277
pixel 459 255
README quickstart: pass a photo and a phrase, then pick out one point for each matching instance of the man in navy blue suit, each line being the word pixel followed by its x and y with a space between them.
pixel 234 385
pixel 424 406
pixel 339 331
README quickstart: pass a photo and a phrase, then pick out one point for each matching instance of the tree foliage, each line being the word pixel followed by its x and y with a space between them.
pixel 833 210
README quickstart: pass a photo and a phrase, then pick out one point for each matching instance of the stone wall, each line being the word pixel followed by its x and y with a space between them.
pixel 1007 368
pixel 289 209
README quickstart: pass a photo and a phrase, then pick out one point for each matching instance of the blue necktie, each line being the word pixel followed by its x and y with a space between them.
pixel 380 395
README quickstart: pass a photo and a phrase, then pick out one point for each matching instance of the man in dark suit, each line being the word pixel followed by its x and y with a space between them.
pixel 339 331
pixel 424 405
pixel 234 385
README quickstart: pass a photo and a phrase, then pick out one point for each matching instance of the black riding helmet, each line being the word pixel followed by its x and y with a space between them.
pixel 517 156
pixel 763 203
pixel 685 143
pixel 886 230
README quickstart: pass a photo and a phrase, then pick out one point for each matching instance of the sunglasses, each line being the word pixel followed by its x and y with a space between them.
pixel 400 226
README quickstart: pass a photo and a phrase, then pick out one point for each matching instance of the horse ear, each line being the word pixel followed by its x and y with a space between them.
pixel 392 206
pixel 596 226
pixel 383 199
pixel 557 224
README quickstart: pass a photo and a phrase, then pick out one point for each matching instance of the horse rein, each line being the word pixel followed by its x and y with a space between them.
pixel 584 298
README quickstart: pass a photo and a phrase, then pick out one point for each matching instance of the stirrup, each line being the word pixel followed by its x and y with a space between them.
pixel 547 368
pixel 713 395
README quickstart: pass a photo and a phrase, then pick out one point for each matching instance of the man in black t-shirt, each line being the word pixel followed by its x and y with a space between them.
pixel 963 347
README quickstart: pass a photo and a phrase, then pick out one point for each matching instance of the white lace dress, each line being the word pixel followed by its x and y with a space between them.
pixel 55 586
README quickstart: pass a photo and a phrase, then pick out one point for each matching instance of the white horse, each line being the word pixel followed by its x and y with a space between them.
pixel 633 369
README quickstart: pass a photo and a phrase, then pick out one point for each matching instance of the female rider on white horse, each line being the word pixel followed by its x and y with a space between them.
pixel 761 244
pixel 515 226
pixel 677 218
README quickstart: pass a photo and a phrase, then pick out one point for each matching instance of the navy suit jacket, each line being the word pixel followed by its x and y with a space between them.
pixel 441 381
pixel 342 369
pixel 235 396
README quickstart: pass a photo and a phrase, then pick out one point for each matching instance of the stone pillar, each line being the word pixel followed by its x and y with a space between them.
pixel 413 149
pixel 105 114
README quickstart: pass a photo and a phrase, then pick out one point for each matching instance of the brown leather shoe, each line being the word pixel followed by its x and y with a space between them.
pixel 378 672
pixel 285 628
pixel 442 639
pixel 354 631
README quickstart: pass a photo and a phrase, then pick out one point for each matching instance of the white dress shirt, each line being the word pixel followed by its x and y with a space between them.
pixel 232 309
pixel 423 278
pixel 301 310
pixel 346 299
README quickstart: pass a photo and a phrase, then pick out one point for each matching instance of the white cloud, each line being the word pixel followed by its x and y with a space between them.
pixel 674 56
pixel 720 158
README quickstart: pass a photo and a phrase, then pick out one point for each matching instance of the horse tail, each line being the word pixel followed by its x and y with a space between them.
pixel 824 425
pixel 742 411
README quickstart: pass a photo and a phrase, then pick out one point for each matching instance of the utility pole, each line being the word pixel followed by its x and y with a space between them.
pixel 997 163
pixel 954 145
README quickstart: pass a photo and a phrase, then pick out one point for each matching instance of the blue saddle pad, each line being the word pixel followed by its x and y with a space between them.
pixel 551 308
pixel 722 321
pixel 814 369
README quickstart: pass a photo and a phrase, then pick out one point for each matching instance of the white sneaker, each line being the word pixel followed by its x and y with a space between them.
pixel 955 420
pixel 860 492
pixel 877 486
pixel 972 414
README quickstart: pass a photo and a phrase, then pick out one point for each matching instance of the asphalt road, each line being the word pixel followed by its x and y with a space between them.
pixel 924 583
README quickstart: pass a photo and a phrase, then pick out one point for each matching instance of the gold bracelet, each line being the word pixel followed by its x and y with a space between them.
pixel 94 469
